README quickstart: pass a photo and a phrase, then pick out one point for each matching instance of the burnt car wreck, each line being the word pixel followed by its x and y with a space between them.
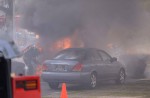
pixel 8 50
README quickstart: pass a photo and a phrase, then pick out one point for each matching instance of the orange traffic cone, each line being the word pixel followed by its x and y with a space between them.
pixel 64 91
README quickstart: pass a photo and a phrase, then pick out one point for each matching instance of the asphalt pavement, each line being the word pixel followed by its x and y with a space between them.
pixel 47 92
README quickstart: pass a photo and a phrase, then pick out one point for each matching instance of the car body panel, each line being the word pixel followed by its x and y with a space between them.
pixel 67 64
pixel 72 77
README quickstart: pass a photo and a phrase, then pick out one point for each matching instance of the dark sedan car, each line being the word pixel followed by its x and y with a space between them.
pixel 84 66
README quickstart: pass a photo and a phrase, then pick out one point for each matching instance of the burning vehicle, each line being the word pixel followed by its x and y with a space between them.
pixel 82 66
pixel 28 86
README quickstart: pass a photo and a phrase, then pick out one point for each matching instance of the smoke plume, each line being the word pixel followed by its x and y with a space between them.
pixel 119 23
pixel 101 21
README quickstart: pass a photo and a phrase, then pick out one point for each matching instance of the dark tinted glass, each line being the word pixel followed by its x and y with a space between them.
pixel 93 55
pixel 104 56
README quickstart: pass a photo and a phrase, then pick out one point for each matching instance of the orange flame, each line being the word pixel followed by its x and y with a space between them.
pixel 67 43
pixel 63 43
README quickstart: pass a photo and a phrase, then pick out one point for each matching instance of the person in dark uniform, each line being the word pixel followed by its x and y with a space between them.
pixel 30 57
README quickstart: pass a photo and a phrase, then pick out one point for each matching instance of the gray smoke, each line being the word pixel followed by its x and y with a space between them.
pixel 94 19
pixel 99 22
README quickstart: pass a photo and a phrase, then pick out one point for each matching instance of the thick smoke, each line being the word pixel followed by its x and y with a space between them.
pixel 99 22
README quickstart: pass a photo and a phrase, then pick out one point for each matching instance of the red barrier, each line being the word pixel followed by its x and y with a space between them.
pixel 26 87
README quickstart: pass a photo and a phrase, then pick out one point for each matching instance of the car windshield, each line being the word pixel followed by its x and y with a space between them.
pixel 70 55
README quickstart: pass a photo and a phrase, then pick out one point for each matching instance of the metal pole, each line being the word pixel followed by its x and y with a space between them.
pixel 7 7
pixel 9 14
pixel 10 18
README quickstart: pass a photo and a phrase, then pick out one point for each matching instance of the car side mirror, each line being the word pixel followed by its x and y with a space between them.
pixel 113 59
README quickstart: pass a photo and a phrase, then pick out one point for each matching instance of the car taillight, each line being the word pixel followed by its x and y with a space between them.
pixel 31 85
pixel 44 67
pixel 27 85
pixel 78 67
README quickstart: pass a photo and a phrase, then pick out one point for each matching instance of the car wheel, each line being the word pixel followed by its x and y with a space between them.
pixel 54 85
pixel 121 77
pixel 93 81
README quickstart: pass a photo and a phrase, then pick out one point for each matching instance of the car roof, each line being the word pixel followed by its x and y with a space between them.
pixel 84 49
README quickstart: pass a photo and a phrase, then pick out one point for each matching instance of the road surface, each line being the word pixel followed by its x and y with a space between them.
pixel 132 89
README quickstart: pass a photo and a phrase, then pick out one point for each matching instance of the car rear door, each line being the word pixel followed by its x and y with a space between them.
pixel 100 66
pixel 92 61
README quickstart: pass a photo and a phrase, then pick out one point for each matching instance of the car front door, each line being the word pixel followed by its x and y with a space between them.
pixel 110 68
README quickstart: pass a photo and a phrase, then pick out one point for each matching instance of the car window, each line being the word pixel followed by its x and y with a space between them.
pixel 93 55
pixel 70 55
pixel 104 56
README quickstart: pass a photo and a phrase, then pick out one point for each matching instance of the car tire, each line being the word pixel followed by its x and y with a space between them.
pixel 121 77
pixel 54 85
pixel 93 81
